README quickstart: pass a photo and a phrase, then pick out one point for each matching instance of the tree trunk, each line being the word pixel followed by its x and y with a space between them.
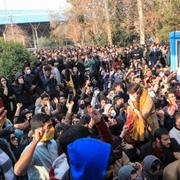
pixel 141 21
pixel 109 34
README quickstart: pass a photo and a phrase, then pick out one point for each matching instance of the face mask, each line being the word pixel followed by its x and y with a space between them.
pixel 28 71
pixel 21 81
pixel 132 98
pixel 48 135
pixel 161 75
pixel 113 113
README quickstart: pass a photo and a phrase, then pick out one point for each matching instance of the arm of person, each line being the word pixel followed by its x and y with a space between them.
pixel 25 160
pixel 94 98
pixel 3 114
pixel 57 108
pixel 68 117
pixel 22 126
pixel 104 132
pixel 17 113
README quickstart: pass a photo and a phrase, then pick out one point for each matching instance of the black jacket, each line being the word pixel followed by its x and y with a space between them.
pixel 166 156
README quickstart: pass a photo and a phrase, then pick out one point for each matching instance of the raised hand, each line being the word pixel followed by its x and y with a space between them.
pixel 94 114
pixel 56 100
pixel 38 134
pixel 70 104
pixel 19 105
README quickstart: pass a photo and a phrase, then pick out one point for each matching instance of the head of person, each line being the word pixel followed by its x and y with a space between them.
pixel 51 62
pixel 13 140
pixel 75 70
pixel 103 102
pixel 62 99
pixel 27 114
pixel 130 172
pixel 93 158
pixel 76 120
pixel 44 99
pixel 152 167
pixel 27 69
pixel 171 98
pixel 136 79
pixel 3 81
pixel 19 78
pixel 148 73
pixel 71 134
pixel 47 70
pixel 177 123
pixel 42 123
pixel 117 87
pixel 134 91
pixel 109 111
pixel 119 100
pixel 162 138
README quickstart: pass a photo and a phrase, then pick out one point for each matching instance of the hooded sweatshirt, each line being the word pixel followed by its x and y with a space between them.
pixel 147 163
pixel 126 171
pixel 88 159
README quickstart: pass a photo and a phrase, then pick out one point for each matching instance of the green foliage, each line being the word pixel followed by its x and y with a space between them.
pixel 169 18
pixel 101 40
pixel 45 42
pixel 123 38
pixel 12 58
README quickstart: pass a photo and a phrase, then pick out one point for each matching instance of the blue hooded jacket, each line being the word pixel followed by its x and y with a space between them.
pixel 88 159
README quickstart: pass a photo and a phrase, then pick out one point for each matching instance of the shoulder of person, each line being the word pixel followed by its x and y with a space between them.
pixel 174 144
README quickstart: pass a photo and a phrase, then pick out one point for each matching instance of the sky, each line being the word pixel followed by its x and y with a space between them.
pixel 33 4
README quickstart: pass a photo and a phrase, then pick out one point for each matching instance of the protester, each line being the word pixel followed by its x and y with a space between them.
pixel 39 155
pixel 175 131
pixel 127 97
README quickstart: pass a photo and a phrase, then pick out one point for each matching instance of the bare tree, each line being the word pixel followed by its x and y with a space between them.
pixel 109 32
pixel 15 33
pixel 141 21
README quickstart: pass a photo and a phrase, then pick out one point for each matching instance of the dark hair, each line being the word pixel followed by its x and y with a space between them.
pixel 168 93
pixel 120 96
pixel 3 77
pixel 44 95
pixel 39 120
pixel 159 132
pixel 47 68
pixel 51 62
pixel 26 64
pixel 73 133
pixel 132 88
pixel 117 84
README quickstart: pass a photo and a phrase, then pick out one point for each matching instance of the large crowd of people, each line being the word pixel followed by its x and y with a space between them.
pixel 92 113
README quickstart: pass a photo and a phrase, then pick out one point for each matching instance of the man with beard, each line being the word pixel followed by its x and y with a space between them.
pixel 162 146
